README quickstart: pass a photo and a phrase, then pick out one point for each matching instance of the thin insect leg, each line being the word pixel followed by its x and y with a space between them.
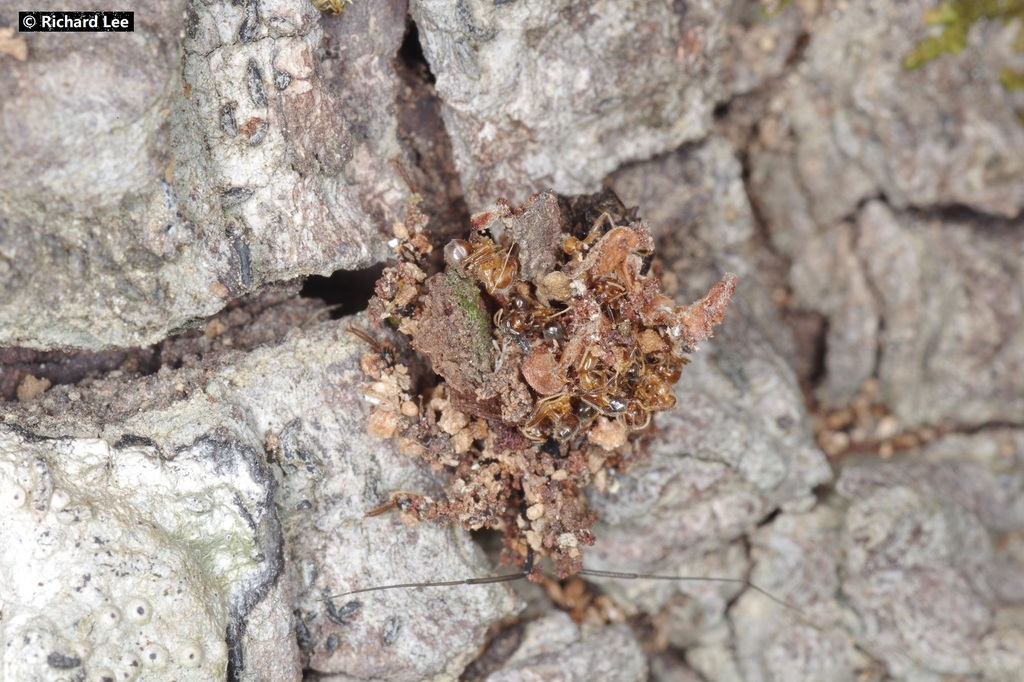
pixel 363 335
pixel 647 422
pixel 616 297
pixel 604 217
pixel 593 573
pixel 400 499
pixel 551 316
pixel 404 172
pixel 481 251
pixel 312 318
pixel 508 254
pixel 594 232
pixel 501 353
pixel 383 509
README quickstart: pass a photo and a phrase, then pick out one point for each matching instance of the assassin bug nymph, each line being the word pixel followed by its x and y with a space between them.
pixel 550 345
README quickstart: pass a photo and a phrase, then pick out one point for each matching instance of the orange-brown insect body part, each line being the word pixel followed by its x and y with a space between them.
pixel 606 370
pixel 495 267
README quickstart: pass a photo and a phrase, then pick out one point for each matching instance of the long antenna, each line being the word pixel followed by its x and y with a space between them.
pixel 585 572
pixel 488 580
pixel 593 573
pixel 504 578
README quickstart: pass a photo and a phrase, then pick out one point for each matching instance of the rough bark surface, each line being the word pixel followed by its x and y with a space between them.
pixel 193 504
pixel 232 514
pixel 182 172
pixel 558 94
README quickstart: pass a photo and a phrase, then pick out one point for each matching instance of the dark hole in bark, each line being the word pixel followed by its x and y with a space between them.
pixel 411 53
pixel 350 290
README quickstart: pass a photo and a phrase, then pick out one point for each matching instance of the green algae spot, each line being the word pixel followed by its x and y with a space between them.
pixel 956 18
pixel 478 322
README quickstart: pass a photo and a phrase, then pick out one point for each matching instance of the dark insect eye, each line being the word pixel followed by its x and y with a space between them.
pixel 553 331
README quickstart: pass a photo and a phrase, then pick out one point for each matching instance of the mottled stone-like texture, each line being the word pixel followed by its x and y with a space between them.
pixel 854 168
pixel 555 648
pixel 920 568
pixel 796 560
pixel 930 305
pixel 151 177
pixel 558 94
pixel 911 572
pixel 859 125
pixel 87 529
pixel 758 46
pixel 899 573
pixel 951 323
pixel 230 508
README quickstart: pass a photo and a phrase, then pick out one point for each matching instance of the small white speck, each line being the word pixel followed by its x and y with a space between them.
pixel 59 500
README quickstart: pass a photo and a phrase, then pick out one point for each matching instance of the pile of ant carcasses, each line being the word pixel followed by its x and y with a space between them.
pixel 550 342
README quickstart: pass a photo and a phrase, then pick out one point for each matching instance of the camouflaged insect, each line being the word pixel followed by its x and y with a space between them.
pixel 549 344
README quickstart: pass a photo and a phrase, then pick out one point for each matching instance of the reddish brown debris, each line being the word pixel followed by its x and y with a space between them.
pixel 543 373
pixel 551 343
pixel 867 426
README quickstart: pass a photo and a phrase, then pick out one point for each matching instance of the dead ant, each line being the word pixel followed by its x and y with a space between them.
pixel 553 416
pixel 522 316
pixel 495 266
